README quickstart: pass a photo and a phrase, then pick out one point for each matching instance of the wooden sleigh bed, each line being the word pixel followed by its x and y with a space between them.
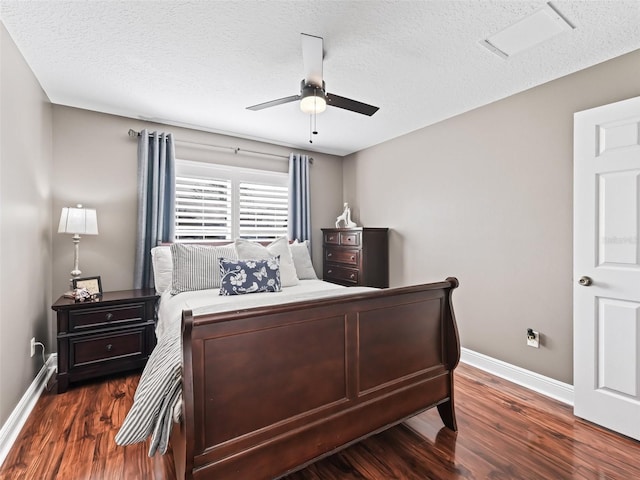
pixel 267 391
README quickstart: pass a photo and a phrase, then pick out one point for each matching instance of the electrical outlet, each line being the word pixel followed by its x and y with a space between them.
pixel 33 346
pixel 533 338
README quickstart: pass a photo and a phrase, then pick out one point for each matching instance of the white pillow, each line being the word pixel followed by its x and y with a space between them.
pixel 280 246
pixel 302 260
pixel 162 267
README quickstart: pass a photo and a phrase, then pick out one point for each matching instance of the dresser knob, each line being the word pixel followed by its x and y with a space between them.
pixel 109 347
pixel 329 271
pixel 352 276
pixel 329 254
pixel 353 257
pixel 109 316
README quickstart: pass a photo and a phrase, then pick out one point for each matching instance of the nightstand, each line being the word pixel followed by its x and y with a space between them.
pixel 112 334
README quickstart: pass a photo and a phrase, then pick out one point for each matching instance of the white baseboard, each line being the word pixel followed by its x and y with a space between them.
pixel 18 417
pixel 550 387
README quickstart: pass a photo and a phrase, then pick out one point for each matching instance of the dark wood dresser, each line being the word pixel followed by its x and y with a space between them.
pixel 356 256
pixel 112 334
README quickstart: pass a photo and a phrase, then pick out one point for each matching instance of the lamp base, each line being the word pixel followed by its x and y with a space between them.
pixel 75 273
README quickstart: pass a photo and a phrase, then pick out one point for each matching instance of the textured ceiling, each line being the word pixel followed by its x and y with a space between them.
pixel 199 64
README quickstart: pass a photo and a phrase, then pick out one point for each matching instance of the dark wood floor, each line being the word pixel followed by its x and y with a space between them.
pixel 505 432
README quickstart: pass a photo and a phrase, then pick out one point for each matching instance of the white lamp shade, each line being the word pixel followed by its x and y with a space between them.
pixel 78 220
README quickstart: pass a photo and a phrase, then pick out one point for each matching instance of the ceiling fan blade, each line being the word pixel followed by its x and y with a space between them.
pixel 348 104
pixel 312 56
pixel 273 103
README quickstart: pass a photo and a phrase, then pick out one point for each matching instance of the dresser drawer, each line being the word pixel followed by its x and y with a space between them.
pixel 351 239
pixel 348 276
pixel 92 318
pixel 92 349
pixel 332 238
pixel 342 255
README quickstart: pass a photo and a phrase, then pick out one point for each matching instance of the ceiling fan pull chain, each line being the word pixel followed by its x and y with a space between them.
pixel 310 129
pixel 315 123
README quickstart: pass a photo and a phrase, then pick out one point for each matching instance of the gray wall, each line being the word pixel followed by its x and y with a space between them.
pixel 487 197
pixel 25 223
pixel 95 164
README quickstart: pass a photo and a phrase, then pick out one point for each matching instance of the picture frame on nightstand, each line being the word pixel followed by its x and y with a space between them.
pixel 92 284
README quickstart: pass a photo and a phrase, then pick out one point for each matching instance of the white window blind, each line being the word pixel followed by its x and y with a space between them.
pixel 263 211
pixel 217 202
pixel 203 209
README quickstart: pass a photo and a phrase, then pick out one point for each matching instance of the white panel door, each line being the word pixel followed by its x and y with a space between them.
pixel 606 272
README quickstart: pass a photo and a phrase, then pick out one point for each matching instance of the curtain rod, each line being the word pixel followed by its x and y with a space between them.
pixel 235 150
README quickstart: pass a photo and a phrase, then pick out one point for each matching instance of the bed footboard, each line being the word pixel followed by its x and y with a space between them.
pixel 270 390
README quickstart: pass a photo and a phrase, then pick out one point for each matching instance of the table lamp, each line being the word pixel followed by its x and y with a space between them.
pixel 78 220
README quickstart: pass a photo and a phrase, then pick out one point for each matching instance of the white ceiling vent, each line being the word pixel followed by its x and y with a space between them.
pixel 541 25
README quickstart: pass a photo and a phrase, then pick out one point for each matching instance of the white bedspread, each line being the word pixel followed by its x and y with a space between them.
pixel 158 399
pixel 209 301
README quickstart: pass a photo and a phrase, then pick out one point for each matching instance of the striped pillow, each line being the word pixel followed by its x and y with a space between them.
pixel 195 267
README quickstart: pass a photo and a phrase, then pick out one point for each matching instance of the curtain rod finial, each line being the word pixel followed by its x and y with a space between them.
pixel 133 133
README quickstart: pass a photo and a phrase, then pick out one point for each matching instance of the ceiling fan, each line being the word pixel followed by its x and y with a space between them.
pixel 313 94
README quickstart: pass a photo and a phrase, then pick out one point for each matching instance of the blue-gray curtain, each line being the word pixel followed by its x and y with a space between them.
pixel 299 198
pixel 156 200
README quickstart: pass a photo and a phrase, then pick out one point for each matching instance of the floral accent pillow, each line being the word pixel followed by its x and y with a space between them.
pixel 238 277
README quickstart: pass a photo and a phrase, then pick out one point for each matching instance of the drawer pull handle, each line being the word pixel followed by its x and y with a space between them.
pixel 353 257
pixel 109 347
pixel 329 271
pixel 109 316
pixel 329 254
pixel 352 276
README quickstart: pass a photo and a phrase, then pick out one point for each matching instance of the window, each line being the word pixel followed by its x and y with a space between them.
pixel 217 202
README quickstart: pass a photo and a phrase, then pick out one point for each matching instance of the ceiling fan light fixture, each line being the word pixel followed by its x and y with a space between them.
pixel 313 99
pixel 313 104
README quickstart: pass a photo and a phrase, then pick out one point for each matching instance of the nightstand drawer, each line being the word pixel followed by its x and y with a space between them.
pixel 92 318
pixel 341 274
pixel 100 348
pixel 342 255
